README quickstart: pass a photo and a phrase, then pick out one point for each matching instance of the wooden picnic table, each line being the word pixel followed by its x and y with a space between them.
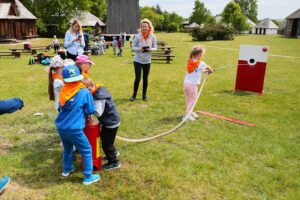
pixel 32 51
pixel 9 53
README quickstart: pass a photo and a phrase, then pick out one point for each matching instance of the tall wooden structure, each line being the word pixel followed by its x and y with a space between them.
pixel 293 25
pixel 122 16
pixel 16 22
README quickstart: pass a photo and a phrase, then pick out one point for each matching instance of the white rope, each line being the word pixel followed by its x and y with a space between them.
pixel 176 127
pixel 232 49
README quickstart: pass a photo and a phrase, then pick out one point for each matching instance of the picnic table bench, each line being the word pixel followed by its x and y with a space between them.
pixel 163 53
pixel 29 51
pixel 32 50
pixel 9 53
pixel 166 57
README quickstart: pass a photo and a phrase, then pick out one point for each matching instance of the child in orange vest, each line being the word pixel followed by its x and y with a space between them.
pixel 76 102
pixel 195 68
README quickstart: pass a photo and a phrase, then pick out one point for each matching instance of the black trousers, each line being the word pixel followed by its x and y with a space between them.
pixel 71 56
pixel 138 68
pixel 108 136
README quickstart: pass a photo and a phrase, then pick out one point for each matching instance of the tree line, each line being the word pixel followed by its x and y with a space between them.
pixel 60 12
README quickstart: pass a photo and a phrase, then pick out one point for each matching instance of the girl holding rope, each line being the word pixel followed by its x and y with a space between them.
pixel 195 67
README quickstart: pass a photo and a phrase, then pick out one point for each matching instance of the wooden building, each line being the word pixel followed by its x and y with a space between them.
pixel 265 27
pixel 16 22
pixel 87 19
pixel 293 25
pixel 122 16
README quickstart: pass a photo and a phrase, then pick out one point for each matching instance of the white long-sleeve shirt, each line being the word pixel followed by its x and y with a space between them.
pixel 74 47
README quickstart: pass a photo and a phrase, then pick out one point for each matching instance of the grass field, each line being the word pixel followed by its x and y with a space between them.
pixel 206 159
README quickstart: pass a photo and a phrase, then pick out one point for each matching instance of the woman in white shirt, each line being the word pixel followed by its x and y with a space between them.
pixel 74 40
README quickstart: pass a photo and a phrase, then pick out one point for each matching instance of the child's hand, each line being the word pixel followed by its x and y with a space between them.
pixel 209 70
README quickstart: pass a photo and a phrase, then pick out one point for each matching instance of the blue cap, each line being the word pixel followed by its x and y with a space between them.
pixel 71 73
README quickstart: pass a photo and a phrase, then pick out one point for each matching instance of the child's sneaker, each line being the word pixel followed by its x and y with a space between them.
pixel 189 118
pixel 116 152
pixel 91 179
pixel 194 115
pixel 111 166
pixel 66 173
pixel 4 182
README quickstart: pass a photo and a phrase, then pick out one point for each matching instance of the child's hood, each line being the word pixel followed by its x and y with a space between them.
pixel 102 93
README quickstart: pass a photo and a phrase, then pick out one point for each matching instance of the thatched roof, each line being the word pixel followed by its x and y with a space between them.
pixel 266 23
pixel 192 25
pixel 250 22
pixel 294 15
pixel 88 19
pixel 21 12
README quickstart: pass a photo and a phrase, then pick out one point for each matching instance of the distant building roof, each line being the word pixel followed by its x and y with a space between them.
pixel 294 15
pixel 186 22
pixel 250 22
pixel 88 19
pixel 192 25
pixel 22 12
pixel 218 18
pixel 266 23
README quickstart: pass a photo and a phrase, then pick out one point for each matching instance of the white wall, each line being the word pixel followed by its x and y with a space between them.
pixel 271 31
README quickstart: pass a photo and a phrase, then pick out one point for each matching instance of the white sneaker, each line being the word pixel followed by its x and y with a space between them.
pixel 195 115
pixel 189 118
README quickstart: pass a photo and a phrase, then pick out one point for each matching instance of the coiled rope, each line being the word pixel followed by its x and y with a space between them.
pixel 173 129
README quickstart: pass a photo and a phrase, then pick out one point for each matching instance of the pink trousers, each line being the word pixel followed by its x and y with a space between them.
pixel 190 92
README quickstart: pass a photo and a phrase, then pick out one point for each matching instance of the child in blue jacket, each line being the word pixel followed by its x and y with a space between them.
pixel 76 102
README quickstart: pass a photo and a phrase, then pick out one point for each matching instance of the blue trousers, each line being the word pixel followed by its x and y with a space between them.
pixel 80 141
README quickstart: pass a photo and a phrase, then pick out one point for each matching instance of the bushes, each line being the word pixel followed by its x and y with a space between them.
pixel 172 27
pixel 213 32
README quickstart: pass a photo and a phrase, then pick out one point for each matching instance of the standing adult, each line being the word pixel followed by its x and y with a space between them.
pixel 74 40
pixel 143 44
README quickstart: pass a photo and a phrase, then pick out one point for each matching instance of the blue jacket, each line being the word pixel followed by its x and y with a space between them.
pixel 72 115
pixel 10 105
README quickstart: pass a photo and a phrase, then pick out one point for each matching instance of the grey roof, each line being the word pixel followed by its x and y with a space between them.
pixel 88 19
pixel 4 9
pixel 23 13
pixel 250 22
pixel 266 23
pixel 294 15
pixel 192 25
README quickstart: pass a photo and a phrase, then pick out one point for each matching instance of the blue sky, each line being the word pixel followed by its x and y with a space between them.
pixel 275 9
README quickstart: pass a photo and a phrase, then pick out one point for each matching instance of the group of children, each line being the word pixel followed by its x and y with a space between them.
pixel 99 46
pixel 77 97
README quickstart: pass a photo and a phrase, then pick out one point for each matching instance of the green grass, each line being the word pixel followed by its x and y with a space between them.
pixel 206 159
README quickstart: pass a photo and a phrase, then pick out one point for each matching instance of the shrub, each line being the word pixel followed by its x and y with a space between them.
pixel 213 32
pixel 172 27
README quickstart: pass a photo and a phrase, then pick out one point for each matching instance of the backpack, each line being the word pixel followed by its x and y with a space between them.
pixel 31 61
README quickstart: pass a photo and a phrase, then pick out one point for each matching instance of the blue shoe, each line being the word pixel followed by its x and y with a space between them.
pixel 91 179
pixel 66 173
pixel 4 182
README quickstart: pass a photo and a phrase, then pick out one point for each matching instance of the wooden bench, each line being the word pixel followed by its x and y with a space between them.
pixel 161 43
pixel 29 51
pixel 166 57
pixel 8 53
pixel 163 53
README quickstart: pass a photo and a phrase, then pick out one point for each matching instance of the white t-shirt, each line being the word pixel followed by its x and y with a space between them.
pixel 195 76
pixel 57 85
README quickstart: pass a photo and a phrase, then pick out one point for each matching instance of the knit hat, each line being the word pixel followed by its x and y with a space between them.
pixel 83 59
pixel 71 73
pixel 56 62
